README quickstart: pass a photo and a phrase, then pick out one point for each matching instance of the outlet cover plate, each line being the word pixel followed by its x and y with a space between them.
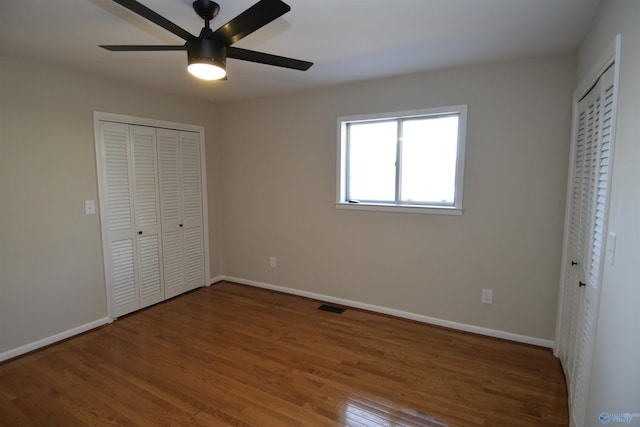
pixel 487 296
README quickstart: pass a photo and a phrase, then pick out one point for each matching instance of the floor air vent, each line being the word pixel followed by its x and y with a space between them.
pixel 331 308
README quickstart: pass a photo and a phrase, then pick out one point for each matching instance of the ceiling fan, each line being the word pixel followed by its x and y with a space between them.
pixel 207 53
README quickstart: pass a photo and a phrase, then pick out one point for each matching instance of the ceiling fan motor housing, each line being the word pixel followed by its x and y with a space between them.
pixel 207 51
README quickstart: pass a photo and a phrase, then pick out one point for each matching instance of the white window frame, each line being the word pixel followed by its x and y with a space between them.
pixel 342 155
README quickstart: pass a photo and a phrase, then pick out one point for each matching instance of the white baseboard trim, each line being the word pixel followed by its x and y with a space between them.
pixel 398 313
pixel 216 279
pixel 52 339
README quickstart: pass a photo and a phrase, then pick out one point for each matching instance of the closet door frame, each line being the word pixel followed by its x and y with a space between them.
pixel 99 116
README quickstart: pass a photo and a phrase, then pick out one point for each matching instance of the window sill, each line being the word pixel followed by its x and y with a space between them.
pixel 429 210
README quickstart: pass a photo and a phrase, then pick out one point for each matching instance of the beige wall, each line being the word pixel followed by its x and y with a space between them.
pixel 279 172
pixel 51 268
pixel 271 181
pixel 615 378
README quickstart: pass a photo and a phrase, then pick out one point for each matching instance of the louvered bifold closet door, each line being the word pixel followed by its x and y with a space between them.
pixel 192 209
pixel 603 109
pixel 119 222
pixel 133 264
pixel 590 106
pixel 147 214
pixel 571 277
pixel 181 203
pixel 171 212
pixel 153 210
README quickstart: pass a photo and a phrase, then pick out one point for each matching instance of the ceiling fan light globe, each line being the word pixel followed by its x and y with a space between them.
pixel 206 71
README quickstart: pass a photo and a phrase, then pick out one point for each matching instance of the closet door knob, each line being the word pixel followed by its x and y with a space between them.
pixel 581 284
pixel 574 263
pixel 180 225
pixel 139 232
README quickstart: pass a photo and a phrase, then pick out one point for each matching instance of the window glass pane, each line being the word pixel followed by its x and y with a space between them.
pixel 429 149
pixel 372 159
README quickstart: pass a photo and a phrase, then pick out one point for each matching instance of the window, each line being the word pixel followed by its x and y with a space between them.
pixel 404 161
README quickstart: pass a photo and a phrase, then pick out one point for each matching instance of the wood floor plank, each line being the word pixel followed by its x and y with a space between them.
pixel 232 355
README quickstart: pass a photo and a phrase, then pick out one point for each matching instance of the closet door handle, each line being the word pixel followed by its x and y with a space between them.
pixel 139 232
pixel 574 263
pixel 180 225
pixel 581 284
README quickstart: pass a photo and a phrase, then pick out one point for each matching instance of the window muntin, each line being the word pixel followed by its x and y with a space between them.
pixel 402 159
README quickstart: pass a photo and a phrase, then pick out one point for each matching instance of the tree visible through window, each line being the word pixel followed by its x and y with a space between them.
pixel 404 159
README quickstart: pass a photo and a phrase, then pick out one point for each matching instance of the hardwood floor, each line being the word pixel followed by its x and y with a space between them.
pixel 240 356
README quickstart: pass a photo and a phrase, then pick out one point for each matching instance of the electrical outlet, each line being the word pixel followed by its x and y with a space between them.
pixel 273 262
pixel 487 296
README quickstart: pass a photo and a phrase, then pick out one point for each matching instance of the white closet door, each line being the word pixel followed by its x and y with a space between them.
pixel 181 210
pixel 147 214
pixel 586 238
pixel 171 212
pixel 599 180
pixel 153 207
pixel 121 259
pixel 589 108
pixel 572 274
pixel 132 216
pixel 192 209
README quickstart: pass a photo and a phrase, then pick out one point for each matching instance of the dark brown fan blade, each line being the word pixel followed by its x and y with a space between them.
pixel 257 16
pixel 152 16
pixel 268 59
pixel 140 48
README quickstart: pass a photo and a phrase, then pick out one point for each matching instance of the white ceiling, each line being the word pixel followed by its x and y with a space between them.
pixel 348 40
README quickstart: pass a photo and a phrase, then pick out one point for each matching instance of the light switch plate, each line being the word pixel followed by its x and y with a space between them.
pixel 611 247
pixel 89 207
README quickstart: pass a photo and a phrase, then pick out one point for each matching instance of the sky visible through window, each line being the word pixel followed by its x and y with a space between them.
pixel 372 154
pixel 427 163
